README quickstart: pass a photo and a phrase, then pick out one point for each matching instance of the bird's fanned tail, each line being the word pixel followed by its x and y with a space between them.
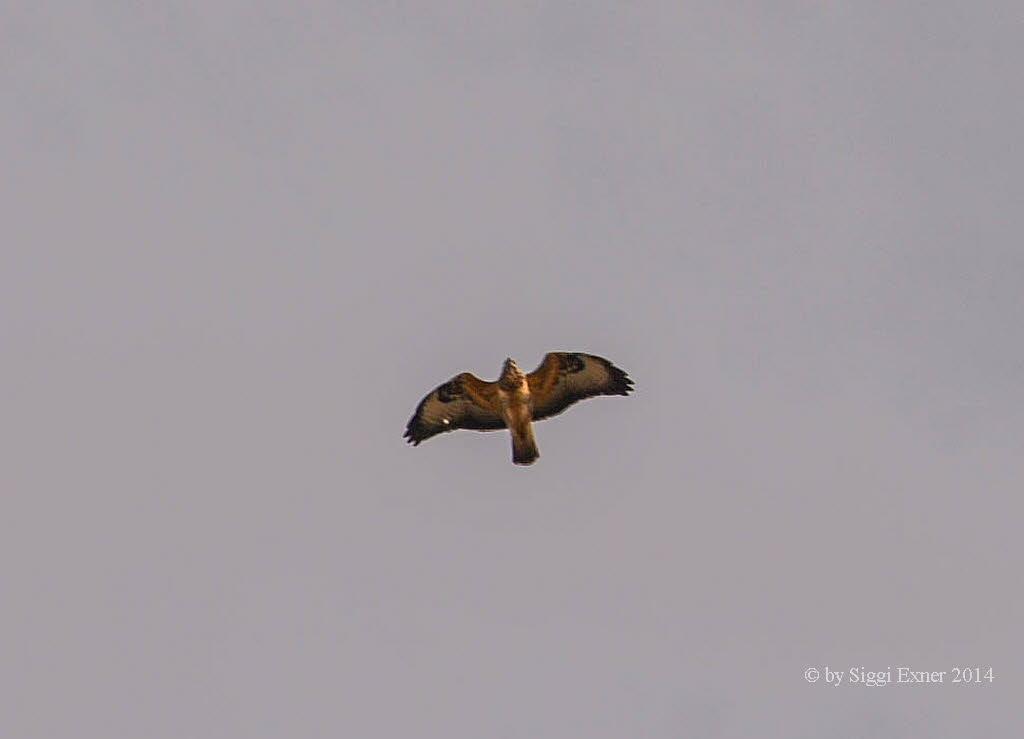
pixel 524 445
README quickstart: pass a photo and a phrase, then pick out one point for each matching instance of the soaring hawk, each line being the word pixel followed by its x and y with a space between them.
pixel 516 399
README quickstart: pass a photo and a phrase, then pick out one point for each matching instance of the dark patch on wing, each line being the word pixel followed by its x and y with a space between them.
pixel 572 363
pixel 450 391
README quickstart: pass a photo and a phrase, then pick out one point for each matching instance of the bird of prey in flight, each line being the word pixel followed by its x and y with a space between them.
pixel 516 399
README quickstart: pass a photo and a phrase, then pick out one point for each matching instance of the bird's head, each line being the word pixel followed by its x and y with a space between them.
pixel 511 375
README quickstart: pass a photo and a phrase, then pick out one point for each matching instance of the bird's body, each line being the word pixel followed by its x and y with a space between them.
pixel 517 412
pixel 516 399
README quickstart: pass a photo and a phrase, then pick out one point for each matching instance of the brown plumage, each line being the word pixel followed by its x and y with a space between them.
pixel 516 399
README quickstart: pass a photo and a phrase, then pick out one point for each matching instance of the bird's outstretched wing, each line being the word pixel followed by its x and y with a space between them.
pixel 565 377
pixel 464 402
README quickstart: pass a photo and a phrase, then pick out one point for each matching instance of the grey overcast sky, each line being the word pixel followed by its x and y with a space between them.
pixel 243 239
